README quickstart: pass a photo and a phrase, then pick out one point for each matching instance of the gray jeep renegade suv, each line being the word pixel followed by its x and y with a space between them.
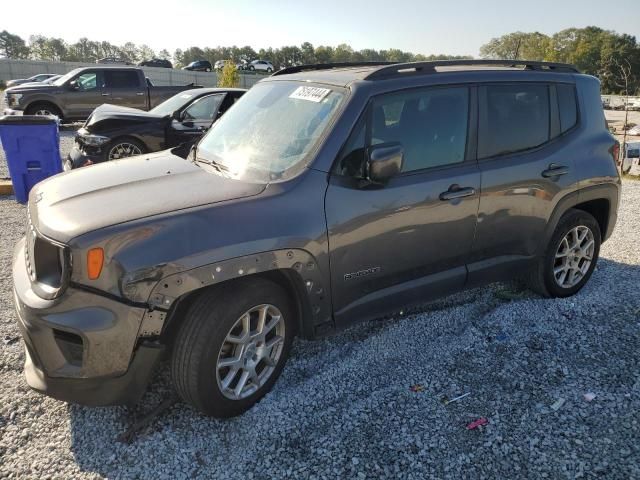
pixel 327 194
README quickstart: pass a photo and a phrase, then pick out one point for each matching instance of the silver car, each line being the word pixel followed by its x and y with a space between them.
pixel 36 78
pixel 262 65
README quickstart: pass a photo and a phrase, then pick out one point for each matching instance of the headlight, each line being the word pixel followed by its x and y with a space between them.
pixel 92 140
pixel 13 99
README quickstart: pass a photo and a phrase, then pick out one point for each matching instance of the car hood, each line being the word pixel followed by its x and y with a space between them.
pixel 87 199
pixel 110 113
pixel 32 87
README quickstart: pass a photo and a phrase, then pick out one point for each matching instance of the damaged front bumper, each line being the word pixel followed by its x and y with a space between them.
pixel 82 156
pixel 82 347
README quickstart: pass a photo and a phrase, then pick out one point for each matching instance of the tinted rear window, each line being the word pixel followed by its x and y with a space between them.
pixel 567 106
pixel 121 79
pixel 513 118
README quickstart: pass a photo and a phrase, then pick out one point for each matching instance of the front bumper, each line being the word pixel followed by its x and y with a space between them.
pixel 81 347
pixel 11 111
pixel 81 156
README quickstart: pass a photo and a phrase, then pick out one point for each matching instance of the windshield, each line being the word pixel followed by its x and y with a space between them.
pixel 270 130
pixel 65 78
pixel 172 104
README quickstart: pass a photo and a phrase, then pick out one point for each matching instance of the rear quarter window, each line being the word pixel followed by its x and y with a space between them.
pixel 567 106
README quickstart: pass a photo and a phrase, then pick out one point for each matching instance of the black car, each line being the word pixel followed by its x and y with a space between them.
pixel 156 62
pixel 199 66
pixel 113 132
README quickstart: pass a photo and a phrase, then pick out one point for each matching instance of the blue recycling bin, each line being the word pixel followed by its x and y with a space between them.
pixel 32 147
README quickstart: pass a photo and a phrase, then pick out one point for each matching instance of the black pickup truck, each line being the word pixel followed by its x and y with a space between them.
pixel 75 95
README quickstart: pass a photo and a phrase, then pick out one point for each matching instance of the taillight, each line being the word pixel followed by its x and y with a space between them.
pixel 95 259
pixel 615 152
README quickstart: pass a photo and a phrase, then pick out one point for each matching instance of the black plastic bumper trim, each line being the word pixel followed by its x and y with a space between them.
pixel 98 392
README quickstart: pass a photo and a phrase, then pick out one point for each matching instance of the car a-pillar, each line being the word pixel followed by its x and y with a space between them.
pixel 295 269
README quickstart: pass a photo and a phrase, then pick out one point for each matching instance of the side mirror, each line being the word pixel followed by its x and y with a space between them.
pixel 73 85
pixel 384 162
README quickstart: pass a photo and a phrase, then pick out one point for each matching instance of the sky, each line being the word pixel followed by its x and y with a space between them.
pixel 455 27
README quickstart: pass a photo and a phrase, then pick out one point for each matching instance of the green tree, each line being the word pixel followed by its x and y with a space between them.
pixel 129 52
pixel 342 53
pixel 229 76
pixel 517 45
pixel 164 54
pixel 178 58
pixel 12 46
pixel 145 52
pixel 37 47
pixel 308 53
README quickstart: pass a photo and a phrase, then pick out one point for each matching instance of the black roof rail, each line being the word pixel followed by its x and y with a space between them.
pixel 327 66
pixel 430 67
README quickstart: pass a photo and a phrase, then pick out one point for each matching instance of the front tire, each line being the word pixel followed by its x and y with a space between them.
pixel 43 108
pixel 570 258
pixel 124 147
pixel 232 347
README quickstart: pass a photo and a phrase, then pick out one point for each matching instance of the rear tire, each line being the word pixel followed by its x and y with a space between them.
pixel 43 108
pixel 570 257
pixel 203 346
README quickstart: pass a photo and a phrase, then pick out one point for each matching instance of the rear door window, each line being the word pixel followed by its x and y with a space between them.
pixel 121 79
pixel 513 118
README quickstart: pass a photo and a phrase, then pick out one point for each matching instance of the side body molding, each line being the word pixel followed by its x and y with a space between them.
pixel 609 191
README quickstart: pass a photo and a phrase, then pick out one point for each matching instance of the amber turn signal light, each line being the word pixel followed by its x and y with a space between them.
pixel 95 259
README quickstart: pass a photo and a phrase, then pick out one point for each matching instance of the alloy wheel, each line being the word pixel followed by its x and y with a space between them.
pixel 122 150
pixel 574 256
pixel 250 352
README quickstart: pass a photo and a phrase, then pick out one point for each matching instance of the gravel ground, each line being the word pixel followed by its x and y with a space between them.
pixel 344 408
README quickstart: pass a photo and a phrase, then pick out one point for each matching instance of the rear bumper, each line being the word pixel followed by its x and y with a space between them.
pixel 81 347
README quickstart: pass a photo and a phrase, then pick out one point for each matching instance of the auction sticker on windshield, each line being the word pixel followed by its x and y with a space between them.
pixel 313 94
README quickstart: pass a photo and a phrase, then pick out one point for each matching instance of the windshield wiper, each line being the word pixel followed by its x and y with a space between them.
pixel 222 169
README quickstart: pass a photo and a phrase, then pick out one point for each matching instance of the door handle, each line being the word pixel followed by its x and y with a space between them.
pixel 140 94
pixel 456 192
pixel 106 94
pixel 555 171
